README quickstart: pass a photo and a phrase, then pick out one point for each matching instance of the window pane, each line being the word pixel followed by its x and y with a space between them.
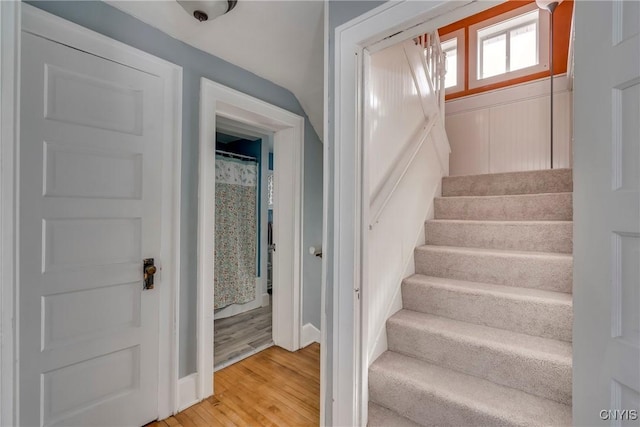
pixel 451 78
pixel 523 50
pixel 494 56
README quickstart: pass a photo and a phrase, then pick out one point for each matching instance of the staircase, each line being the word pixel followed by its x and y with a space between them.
pixel 484 336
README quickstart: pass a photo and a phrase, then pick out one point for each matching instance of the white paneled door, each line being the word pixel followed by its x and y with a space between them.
pixel 90 184
pixel 606 338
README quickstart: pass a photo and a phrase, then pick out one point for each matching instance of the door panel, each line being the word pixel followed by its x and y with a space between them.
pixel 606 341
pixel 90 201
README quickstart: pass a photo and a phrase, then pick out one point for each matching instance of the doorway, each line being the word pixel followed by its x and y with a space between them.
pixel 390 23
pixel 220 103
pixel 243 285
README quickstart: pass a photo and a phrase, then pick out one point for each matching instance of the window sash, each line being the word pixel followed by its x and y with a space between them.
pixel 508 21
pixel 455 41
pixel 507 56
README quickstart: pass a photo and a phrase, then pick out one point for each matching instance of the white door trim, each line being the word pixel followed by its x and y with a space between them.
pixel 383 26
pixel 324 371
pixel 288 128
pixel 9 137
pixel 43 24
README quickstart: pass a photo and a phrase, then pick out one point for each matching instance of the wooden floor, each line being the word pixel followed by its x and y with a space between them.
pixel 241 334
pixel 272 388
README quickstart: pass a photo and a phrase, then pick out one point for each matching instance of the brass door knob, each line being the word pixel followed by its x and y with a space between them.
pixel 148 269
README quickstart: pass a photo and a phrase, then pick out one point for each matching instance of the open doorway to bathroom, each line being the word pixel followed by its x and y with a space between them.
pixel 243 242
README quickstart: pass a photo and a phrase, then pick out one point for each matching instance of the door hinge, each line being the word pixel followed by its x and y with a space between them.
pixel 357 291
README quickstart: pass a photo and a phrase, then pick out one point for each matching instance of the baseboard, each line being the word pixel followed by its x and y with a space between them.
pixel 235 309
pixel 265 299
pixel 187 391
pixel 310 334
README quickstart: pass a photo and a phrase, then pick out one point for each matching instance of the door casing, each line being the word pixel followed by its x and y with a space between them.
pixel 288 137
pixel 17 17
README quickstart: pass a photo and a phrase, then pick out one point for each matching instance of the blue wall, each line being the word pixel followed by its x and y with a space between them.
pixel 107 20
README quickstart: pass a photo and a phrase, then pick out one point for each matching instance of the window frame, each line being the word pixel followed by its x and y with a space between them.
pixel 543 47
pixel 459 35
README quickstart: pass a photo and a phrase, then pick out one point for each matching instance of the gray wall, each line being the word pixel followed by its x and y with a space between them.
pixel 107 20
pixel 339 12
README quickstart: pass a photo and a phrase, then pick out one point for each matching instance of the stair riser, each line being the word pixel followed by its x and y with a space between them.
pixel 383 417
pixel 548 181
pixel 549 378
pixel 540 236
pixel 528 316
pixel 423 407
pixel 537 272
pixel 537 207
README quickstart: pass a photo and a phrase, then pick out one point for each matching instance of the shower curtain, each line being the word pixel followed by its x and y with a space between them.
pixel 235 232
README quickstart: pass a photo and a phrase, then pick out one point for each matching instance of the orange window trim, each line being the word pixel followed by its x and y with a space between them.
pixel 562 33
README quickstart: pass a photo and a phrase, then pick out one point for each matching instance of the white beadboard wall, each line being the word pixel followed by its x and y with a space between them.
pixel 394 117
pixel 393 112
pixel 508 129
pixel 393 239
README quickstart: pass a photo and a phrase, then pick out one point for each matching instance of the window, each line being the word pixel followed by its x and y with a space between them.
pixel 450 49
pixel 511 45
pixel 453 47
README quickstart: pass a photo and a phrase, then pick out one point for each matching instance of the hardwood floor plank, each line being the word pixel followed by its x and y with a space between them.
pixel 213 415
pixel 185 421
pixel 172 422
pixel 267 398
pixel 248 406
pixel 271 388
pixel 288 378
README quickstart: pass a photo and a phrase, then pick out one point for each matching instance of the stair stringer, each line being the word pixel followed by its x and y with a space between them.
pixel 380 343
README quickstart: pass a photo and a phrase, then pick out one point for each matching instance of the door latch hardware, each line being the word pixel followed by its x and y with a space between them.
pixel 149 270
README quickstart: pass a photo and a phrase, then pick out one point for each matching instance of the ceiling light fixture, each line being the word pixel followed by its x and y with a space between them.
pixel 207 10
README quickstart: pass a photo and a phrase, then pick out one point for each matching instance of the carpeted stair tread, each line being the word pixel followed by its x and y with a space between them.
pixel 527 207
pixel 484 335
pixel 535 312
pixel 528 182
pixel 379 416
pixel 434 395
pixel 540 236
pixel 538 270
pixel 504 357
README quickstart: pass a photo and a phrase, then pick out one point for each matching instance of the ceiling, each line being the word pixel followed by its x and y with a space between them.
pixel 281 41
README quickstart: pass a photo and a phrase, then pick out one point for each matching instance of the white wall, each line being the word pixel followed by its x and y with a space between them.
pixel 393 239
pixel 394 115
pixel 508 129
